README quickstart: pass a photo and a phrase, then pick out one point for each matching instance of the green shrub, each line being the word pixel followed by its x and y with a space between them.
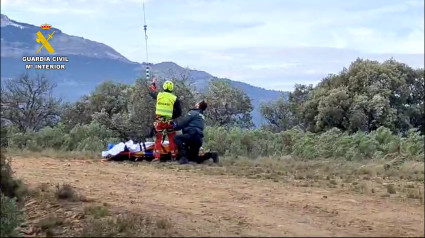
pixel 20 140
pixel 216 139
pixel 92 137
pixel 4 136
pixel 11 217
pixel 11 190
pixel 365 145
pixel 330 144
pixel 387 142
pixel 305 147
pixel 10 186
pixel 51 137
pixel 96 211
pixel 49 222
pixel 235 142
pixel 326 142
pixel 129 225
pixel 413 145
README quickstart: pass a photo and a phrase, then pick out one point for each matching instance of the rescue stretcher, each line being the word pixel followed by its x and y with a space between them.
pixel 143 151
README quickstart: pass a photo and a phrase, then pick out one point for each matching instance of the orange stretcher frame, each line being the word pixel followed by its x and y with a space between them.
pixel 147 154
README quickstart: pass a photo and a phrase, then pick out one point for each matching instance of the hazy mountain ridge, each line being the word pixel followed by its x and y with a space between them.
pixel 19 39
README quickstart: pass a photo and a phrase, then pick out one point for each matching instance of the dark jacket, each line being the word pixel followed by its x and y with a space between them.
pixel 192 123
pixel 177 110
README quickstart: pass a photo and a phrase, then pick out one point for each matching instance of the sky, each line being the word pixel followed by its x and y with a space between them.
pixel 272 44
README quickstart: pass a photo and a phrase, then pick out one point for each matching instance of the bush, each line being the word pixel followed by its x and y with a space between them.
pixel 96 211
pixel 51 137
pixel 391 189
pixel 327 142
pixel 9 186
pixel 413 145
pixel 305 148
pixel 66 192
pixel 91 137
pixel 20 140
pixel 237 142
pixel 11 190
pixel 330 144
pixel 4 138
pixel 365 145
pixel 129 225
pixel 11 217
pixel 216 138
pixel 387 142
pixel 49 222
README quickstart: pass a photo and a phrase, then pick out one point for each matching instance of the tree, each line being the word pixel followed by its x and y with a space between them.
pixel 28 104
pixel 282 115
pixel 183 86
pixel 332 110
pixel 127 110
pixel 416 100
pixel 77 113
pixel 297 98
pixel 279 115
pixel 358 114
pixel 184 89
pixel 366 96
pixel 227 106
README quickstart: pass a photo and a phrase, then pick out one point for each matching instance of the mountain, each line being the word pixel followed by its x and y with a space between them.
pixel 18 39
pixel 91 63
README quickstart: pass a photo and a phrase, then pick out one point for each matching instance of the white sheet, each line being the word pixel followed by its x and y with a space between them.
pixel 118 148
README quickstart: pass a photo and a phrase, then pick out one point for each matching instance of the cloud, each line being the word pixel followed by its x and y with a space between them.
pixel 61 10
pixel 281 65
pixel 285 42
pixel 281 68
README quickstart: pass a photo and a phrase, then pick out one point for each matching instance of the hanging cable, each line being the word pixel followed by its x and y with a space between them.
pixel 146 42
pixel 146 35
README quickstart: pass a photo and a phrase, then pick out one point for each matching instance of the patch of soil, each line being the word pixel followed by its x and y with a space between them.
pixel 218 205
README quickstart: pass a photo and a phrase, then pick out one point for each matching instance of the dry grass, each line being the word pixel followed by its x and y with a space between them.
pixel 128 225
pixel 328 173
pixel 391 189
pixel 51 153
pixel 96 211
pixel 363 187
pixel 66 192
pixel 366 177
pixel 59 192
pixel 96 220
pixel 49 222
pixel 99 223
pixel 49 225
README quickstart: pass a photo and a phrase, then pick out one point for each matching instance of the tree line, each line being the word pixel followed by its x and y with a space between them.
pixel 127 111
pixel 361 98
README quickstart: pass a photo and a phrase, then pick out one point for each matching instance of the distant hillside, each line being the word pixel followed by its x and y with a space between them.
pixel 91 63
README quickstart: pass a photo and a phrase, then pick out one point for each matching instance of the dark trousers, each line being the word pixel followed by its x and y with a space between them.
pixel 188 145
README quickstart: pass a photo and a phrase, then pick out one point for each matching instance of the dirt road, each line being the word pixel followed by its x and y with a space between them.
pixel 205 205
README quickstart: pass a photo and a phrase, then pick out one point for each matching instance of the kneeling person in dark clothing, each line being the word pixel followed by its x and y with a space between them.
pixel 192 126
